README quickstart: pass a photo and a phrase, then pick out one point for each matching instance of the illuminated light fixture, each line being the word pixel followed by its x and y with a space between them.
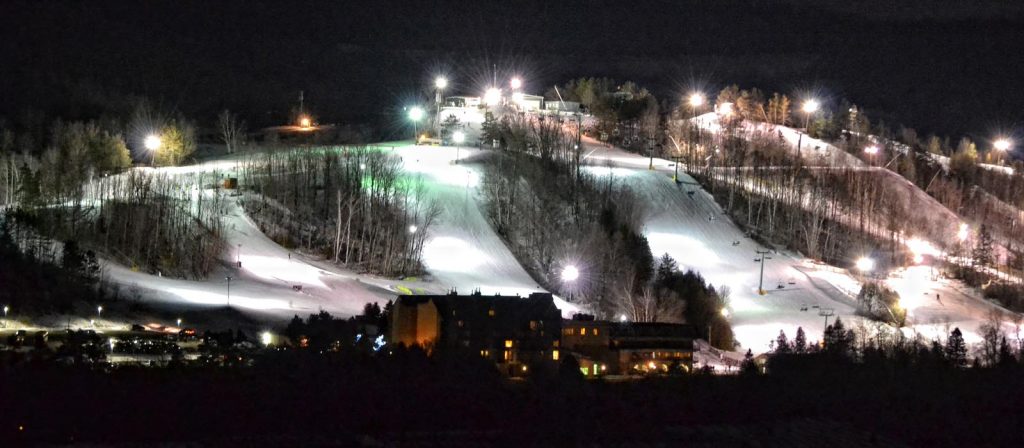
pixel 415 113
pixel 412 228
pixel 873 149
pixel 918 259
pixel 458 137
pixel 725 312
pixel 963 232
pixel 441 82
pixel 266 338
pixel 725 109
pixel 696 100
pixel 570 273
pixel 516 83
pixel 305 122
pixel 810 106
pixel 152 142
pixel 1002 145
pixel 865 264
pixel 492 97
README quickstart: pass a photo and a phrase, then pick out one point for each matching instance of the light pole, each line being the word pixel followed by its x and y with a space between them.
pixel 809 107
pixel 763 254
pixel 569 274
pixel 1002 145
pixel 415 115
pixel 153 144
pixel 440 83
pixel 458 137
pixel 492 97
pixel 696 100
pixel 99 311
pixel 871 150
pixel 228 278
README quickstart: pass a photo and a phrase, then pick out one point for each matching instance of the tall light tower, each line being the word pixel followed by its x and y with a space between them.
pixel 439 85
pixel 809 107
pixel 696 100
pixel 415 115
pixel 762 255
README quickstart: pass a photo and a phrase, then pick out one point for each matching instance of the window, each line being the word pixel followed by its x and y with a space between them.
pixel 585 370
pixel 461 324
pixel 508 355
pixel 485 353
pixel 508 343
pixel 490 312
pixel 595 332
pixel 583 331
pixel 568 331
pixel 554 355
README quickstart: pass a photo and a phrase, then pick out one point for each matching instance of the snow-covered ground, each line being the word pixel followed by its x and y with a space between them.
pixel 693 229
pixel 463 252
pixel 273 283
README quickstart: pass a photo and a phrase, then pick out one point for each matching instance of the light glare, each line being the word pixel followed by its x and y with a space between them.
pixel 152 142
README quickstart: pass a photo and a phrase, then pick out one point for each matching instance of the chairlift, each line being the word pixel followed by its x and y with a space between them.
pixel 757 260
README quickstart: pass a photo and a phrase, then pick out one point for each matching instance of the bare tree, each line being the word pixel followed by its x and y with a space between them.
pixel 232 130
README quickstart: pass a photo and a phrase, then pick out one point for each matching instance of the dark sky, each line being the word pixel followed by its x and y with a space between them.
pixel 948 67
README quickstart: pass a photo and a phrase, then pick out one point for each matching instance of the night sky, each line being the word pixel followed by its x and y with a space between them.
pixel 938 66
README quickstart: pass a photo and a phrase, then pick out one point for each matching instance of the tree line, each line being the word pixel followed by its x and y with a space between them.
pixel 354 206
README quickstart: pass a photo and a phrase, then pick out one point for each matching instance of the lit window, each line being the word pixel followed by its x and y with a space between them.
pixel 595 332
pixel 585 370
pixel 490 312
pixel 583 331
pixel 508 343
pixel 508 355
pixel 554 355
pixel 533 325
pixel 484 353
pixel 461 323
pixel 555 343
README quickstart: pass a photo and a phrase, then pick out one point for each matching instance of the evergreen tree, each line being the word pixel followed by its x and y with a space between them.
pixel 782 345
pixel 956 349
pixel 982 253
pixel 667 271
pixel 837 340
pixel 748 367
pixel 800 341
pixel 490 129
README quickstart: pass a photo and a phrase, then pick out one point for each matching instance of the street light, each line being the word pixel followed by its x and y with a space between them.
pixel 99 311
pixel 872 150
pixel 963 232
pixel 516 83
pixel 415 115
pixel 412 228
pixel 492 97
pixel 228 278
pixel 570 273
pixel 179 322
pixel 305 122
pixel 266 338
pixel 865 264
pixel 440 83
pixel 458 137
pixel 809 107
pixel 152 142
pixel 696 100
pixel 1002 145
